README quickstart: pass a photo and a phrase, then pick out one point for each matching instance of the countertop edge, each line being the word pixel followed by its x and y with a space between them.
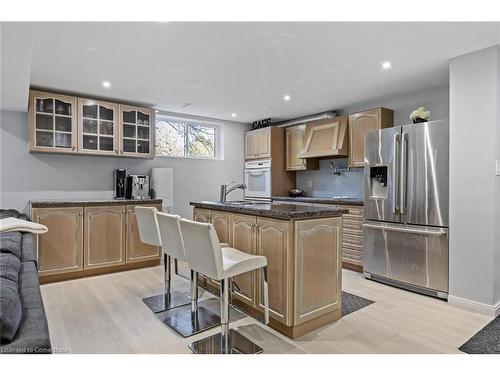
pixel 91 203
pixel 281 215
pixel 341 201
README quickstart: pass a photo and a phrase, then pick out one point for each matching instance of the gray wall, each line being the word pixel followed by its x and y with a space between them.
pixel 323 183
pixel 474 189
pixel 26 176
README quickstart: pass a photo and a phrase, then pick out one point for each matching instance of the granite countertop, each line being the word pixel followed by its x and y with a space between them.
pixel 346 201
pixel 41 203
pixel 273 210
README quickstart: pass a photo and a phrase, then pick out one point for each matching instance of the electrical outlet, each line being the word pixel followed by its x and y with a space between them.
pixel 497 167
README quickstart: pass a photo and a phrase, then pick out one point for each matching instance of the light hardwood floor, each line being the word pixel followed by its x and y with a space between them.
pixel 105 314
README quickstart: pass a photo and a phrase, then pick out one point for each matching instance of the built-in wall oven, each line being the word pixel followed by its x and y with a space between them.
pixel 258 179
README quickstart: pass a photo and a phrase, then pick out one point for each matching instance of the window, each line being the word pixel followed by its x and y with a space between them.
pixel 186 139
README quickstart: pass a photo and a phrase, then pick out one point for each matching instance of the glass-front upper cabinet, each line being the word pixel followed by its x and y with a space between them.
pixel 97 127
pixel 53 124
pixel 137 131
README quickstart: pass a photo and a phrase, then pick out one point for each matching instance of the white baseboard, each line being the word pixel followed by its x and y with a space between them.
pixel 477 307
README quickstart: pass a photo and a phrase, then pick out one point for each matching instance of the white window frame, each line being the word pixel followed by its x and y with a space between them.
pixel 218 135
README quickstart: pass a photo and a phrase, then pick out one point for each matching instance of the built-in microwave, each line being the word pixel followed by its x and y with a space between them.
pixel 258 179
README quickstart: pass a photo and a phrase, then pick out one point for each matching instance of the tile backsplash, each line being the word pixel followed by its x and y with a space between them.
pixel 324 183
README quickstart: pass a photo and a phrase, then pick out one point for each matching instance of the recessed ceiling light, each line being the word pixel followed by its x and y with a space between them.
pixel 386 65
pixel 233 114
pixel 286 98
pixel 106 84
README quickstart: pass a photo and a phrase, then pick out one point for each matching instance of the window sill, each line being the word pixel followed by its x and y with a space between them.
pixel 187 157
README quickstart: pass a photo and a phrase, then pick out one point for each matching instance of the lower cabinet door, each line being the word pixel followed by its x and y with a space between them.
pixel 201 215
pixel 104 236
pixel 318 276
pixel 60 250
pixel 243 229
pixel 136 250
pixel 274 241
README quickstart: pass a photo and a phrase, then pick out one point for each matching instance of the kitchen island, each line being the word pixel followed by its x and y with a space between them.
pixel 303 249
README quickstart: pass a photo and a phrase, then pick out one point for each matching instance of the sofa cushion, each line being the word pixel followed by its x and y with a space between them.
pixel 10 301
pixel 29 286
pixel 28 249
pixel 9 213
pixel 10 242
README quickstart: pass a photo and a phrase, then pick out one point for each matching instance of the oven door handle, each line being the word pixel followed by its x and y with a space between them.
pixel 256 173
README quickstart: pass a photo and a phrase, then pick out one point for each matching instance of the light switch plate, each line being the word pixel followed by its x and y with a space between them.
pixel 497 167
pixel 309 184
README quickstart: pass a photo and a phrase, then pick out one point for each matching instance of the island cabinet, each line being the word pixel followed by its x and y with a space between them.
pixel 89 238
pixel 361 123
pixel 304 259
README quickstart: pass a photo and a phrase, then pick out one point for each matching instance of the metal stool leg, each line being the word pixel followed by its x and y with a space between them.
pixel 228 341
pixel 168 300
pixel 265 286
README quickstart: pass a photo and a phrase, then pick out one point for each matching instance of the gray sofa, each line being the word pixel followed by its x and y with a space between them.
pixel 23 323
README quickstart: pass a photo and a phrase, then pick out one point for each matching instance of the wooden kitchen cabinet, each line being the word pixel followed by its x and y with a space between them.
pixel 352 239
pixel 294 144
pixel 52 123
pixel 317 283
pixel 104 230
pixel 274 241
pixel 220 221
pixel 324 138
pixel 61 250
pixel 258 143
pixel 136 131
pixel 136 250
pixel 361 123
pixel 243 229
pixel 98 131
pixel 201 215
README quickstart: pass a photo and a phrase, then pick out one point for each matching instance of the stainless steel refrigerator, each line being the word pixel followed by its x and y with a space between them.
pixel 405 224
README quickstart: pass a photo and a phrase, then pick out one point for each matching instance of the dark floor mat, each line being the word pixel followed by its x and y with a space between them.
pixel 486 341
pixel 352 302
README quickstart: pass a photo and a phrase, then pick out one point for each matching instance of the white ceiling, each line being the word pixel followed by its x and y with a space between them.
pixel 247 68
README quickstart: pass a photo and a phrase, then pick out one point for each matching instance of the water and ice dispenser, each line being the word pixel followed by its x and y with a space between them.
pixel 378 181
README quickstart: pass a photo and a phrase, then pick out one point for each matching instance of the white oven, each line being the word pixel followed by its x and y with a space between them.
pixel 258 179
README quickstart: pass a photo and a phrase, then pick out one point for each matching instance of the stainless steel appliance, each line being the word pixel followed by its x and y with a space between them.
pixel 258 179
pixel 406 207
pixel 137 186
pixel 120 180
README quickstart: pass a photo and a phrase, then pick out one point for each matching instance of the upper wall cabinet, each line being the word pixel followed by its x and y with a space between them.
pixel 66 124
pixel 137 131
pixel 258 144
pixel 294 145
pixel 361 123
pixel 325 138
pixel 53 124
pixel 97 127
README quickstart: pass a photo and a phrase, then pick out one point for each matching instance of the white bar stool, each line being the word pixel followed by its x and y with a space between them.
pixel 149 233
pixel 196 318
pixel 204 254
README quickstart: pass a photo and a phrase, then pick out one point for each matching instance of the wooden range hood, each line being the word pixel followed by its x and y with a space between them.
pixel 326 138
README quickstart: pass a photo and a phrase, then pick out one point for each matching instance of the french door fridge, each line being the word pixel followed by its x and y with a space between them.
pixel 406 207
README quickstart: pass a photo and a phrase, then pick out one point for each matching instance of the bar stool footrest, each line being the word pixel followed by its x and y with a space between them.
pixel 236 344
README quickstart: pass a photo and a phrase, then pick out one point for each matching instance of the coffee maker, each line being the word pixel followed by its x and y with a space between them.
pixel 120 181
pixel 137 186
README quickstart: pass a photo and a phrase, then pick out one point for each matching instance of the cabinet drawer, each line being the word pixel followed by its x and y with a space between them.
pixel 353 210
pixel 353 240
pixel 352 254
pixel 352 246
pixel 352 224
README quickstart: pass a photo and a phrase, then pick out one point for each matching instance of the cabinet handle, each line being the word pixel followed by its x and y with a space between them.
pixel 73 148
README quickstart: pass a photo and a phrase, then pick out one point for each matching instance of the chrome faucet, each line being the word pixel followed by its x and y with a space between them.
pixel 224 191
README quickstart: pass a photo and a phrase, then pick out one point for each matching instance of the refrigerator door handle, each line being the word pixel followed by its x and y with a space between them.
pixel 395 174
pixel 403 171
pixel 399 228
